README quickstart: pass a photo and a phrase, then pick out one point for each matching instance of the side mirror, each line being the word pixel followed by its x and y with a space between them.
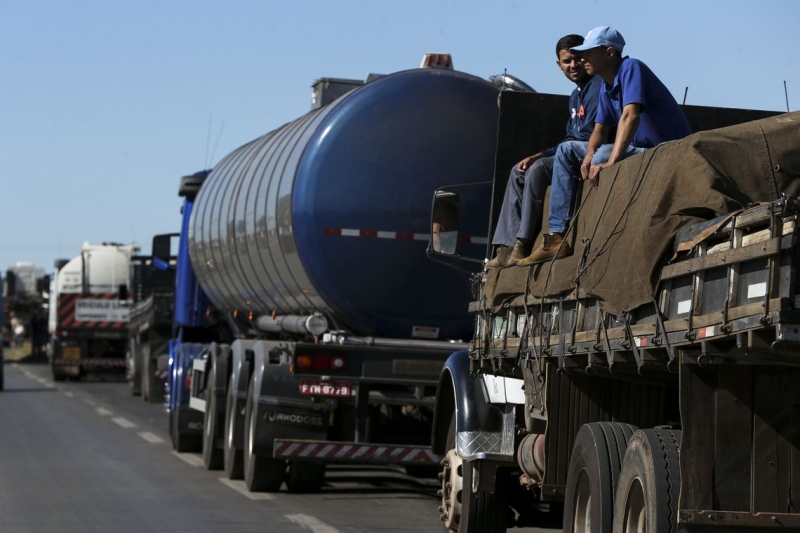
pixel 444 223
pixel 164 250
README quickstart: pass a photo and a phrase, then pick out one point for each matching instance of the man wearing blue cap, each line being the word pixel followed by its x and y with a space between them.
pixel 523 204
pixel 634 100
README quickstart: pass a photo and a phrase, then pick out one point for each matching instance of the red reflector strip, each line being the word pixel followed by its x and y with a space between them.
pixel 395 235
pixel 353 452
pixel 90 362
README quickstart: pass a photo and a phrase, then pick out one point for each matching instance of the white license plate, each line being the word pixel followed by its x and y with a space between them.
pixel 314 387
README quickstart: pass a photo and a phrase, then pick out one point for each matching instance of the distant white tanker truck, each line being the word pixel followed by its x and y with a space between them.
pixel 89 307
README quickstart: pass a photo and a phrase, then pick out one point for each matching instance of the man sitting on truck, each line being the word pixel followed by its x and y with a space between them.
pixel 521 213
pixel 633 100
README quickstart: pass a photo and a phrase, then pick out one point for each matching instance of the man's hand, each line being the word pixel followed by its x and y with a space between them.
pixel 586 165
pixel 526 163
pixel 594 173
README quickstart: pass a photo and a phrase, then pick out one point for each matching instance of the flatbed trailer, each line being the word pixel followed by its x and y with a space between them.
pixel 671 412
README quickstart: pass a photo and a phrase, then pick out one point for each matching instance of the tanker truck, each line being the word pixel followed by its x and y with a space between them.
pixel 88 315
pixel 647 382
pixel 310 326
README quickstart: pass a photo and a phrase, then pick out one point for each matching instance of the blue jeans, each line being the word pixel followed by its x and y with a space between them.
pixel 567 178
pixel 521 213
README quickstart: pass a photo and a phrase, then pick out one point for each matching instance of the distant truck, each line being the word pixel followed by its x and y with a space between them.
pixel 89 311
pixel 309 328
pixel 151 318
pixel 648 382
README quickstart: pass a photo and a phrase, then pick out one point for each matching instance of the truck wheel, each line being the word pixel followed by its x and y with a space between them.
pixel 649 483
pixel 463 510
pixel 305 476
pixel 592 476
pixel 58 375
pixel 261 473
pixel 213 455
pixel 233 460
pixel 134 366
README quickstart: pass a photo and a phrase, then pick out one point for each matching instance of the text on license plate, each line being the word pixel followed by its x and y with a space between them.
pixel 315 387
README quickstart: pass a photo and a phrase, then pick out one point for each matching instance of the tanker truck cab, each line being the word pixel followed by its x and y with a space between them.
pixel 580 400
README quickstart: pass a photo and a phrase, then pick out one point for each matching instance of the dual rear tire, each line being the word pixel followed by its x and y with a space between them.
pixel 623 480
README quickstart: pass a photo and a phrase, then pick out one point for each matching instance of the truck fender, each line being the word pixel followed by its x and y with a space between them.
pixel 281 410
pixel 219 359
pixel 462 393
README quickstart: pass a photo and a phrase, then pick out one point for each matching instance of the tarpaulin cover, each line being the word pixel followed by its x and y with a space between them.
pixel 623 231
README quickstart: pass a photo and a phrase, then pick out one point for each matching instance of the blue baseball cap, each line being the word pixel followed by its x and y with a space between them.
pixel 601 36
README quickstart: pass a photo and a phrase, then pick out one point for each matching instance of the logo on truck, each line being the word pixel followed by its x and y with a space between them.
pixel 296 419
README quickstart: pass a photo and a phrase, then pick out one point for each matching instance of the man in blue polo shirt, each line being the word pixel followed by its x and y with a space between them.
pixel 634 100
pixel 523 204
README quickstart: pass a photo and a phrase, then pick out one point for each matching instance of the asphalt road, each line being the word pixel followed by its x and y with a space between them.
pixel 88 457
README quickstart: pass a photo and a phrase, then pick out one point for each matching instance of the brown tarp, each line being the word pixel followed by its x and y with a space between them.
pixel 623 232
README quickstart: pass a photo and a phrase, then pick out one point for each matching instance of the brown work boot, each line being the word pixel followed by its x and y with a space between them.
pixel 500 258
pixel 552 244
pixel 519 252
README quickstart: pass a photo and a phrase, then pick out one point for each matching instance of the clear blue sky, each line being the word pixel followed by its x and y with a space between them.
pixel 104 104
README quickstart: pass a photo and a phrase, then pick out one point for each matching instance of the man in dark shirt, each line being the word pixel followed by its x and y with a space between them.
pixel 633 100
pixel 521 214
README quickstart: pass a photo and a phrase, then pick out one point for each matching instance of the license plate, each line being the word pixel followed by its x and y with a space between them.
pixel 71 353
pixel 314 387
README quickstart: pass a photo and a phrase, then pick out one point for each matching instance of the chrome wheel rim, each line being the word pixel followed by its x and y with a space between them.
pixel 635 520
pixel 452 489
pixel 582 504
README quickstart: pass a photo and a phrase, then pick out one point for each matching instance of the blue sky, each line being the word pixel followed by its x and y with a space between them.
pixel 104 104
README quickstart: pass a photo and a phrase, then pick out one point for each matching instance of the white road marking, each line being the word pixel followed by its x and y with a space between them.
pixel 67 393
pixel 15 365
pixel 241 488
pixel 309 522
pixel 189 459
pixel 103 412
pixel 87 401
pixel 124 422
pixel 151 437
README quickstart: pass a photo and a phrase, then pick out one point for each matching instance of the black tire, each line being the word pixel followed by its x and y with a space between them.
pixel 261 473
pixel 465 511
pixel 305 476
pixel 233 461
pixel 649 483
pixel 592 476
pixel 2 376
pixel 134 364
pixel 213 455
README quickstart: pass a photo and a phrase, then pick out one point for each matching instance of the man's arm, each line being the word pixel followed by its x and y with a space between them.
pixel 626 129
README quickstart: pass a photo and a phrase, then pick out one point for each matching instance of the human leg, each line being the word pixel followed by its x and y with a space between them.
pixel 508 221
pixel 566 179
pixel 537 179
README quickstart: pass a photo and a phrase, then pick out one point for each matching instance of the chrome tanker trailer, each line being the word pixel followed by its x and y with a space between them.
pixel 311 327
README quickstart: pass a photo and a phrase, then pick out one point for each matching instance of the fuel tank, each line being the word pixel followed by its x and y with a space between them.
pixel 331 213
